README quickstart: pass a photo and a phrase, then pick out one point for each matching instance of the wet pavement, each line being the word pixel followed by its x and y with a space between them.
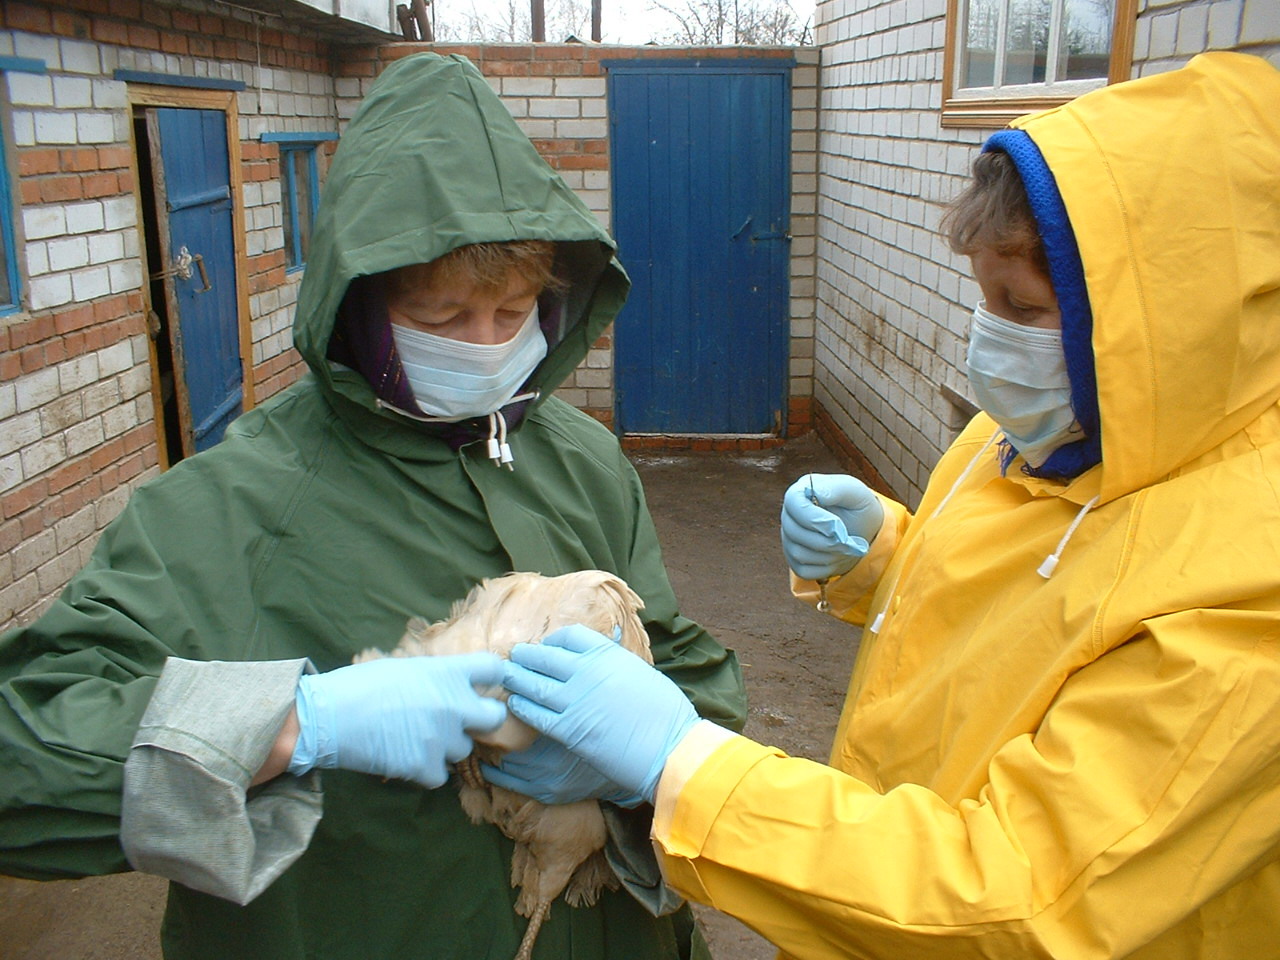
pixel 717 519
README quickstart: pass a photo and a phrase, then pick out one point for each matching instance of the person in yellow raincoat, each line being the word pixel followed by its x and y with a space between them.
pixel 1062 734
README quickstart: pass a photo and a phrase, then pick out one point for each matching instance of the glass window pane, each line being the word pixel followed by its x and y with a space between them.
pixel 302 186
pixel 1027 41
pixel 978 58
pixel 6 295
pixel 1086 39
pixel 288 205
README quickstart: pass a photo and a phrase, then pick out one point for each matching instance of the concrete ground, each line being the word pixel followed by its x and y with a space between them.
pixel 717 517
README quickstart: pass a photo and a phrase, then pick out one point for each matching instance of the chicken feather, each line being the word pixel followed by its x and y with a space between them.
pixel 558 848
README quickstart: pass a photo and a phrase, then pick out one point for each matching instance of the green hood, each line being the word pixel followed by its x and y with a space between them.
pixel 433 161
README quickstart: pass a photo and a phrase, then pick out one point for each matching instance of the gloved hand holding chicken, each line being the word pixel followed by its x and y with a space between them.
pixel 551 773
pixel 407 718
pixel 616 712
pixel 828 524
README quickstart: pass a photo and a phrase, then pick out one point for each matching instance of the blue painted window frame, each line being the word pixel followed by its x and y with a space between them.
pixel 291 145
pixel 8 236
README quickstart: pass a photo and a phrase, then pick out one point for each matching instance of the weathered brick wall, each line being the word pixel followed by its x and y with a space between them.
pixel 1169 32
pixel 557 94
pixel 892 301
pixel 77 425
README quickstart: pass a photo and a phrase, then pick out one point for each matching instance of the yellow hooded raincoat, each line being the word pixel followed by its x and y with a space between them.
pixel 1085 765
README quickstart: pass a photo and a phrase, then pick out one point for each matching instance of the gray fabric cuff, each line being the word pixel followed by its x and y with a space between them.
pixel 630 853
pixel 187 814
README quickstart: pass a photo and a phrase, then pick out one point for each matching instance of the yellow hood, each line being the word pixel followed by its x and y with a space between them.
pixel 1184 357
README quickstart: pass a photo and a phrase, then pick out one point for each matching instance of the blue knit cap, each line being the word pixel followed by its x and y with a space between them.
pixel 1066 272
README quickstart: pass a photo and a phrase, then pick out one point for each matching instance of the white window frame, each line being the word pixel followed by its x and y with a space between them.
pixel 994 107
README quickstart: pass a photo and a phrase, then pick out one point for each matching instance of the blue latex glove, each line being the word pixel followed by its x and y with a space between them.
pixel 400 717
pixel 550 773
pixel 605 704
pixel 825 539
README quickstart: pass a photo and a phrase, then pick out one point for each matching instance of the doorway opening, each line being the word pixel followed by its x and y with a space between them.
pixel 168 432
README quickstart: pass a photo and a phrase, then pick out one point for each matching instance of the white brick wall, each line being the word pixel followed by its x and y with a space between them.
pixel 1170 32
pixel 889 313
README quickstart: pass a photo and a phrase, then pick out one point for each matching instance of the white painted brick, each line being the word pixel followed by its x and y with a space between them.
pixel 52 290
pixel 38 48
pixel 30 89
pixel 85 217
pixel 84 436
pixel 527 87
pixel 8 400
pixel 124 275
pixel 90 284
pixel 594 108
pixel 101 395
pixel 96 128
pixel 135 382
pixel 78 372
pixel 582 129
pixel 36 389
pixel 57 128
pixel 553 108
pixel 37 258
pixel 68 253
pixel 42 456
pixel 1193 30
pixel 10 472
pixel 80 57
pixel 24 128
pixel 104 247
pixel 115 358
pixel 72 93
pixel 1261 22
pixel 118 213
pixel 1164 35
pixel 594 87
pixel 110 94
pixel 117 420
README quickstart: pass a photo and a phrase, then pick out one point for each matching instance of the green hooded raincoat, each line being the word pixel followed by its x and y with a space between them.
pixel 317 527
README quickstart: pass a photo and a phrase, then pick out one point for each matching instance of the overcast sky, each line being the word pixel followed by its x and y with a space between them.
pixel 622 21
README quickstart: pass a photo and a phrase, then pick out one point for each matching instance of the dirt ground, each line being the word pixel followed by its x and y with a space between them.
pixel 717 517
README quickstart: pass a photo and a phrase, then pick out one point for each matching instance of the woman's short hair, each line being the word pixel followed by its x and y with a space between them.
pixel 487 266
pixel 994 212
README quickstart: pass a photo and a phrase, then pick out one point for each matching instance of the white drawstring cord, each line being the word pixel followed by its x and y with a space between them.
pixel 1050 562
pixel 964 474
pixel 973 462
pixel 497 448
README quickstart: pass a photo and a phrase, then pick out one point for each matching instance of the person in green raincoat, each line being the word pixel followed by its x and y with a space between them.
pixel 171 709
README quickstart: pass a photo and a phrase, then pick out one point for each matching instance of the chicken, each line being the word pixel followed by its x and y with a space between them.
pixel 557 847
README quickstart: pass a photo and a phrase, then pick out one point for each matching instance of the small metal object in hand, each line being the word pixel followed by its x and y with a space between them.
pixel 823 603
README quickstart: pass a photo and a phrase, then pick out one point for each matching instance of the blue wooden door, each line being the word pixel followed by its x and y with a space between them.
pixel 193 191
pixel 700 170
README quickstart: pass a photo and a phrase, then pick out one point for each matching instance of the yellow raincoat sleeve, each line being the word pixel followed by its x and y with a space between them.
pixel 1157 770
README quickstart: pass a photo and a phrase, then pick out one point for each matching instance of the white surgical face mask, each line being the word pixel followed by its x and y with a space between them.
pixel 1019 377
pixel 453 380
